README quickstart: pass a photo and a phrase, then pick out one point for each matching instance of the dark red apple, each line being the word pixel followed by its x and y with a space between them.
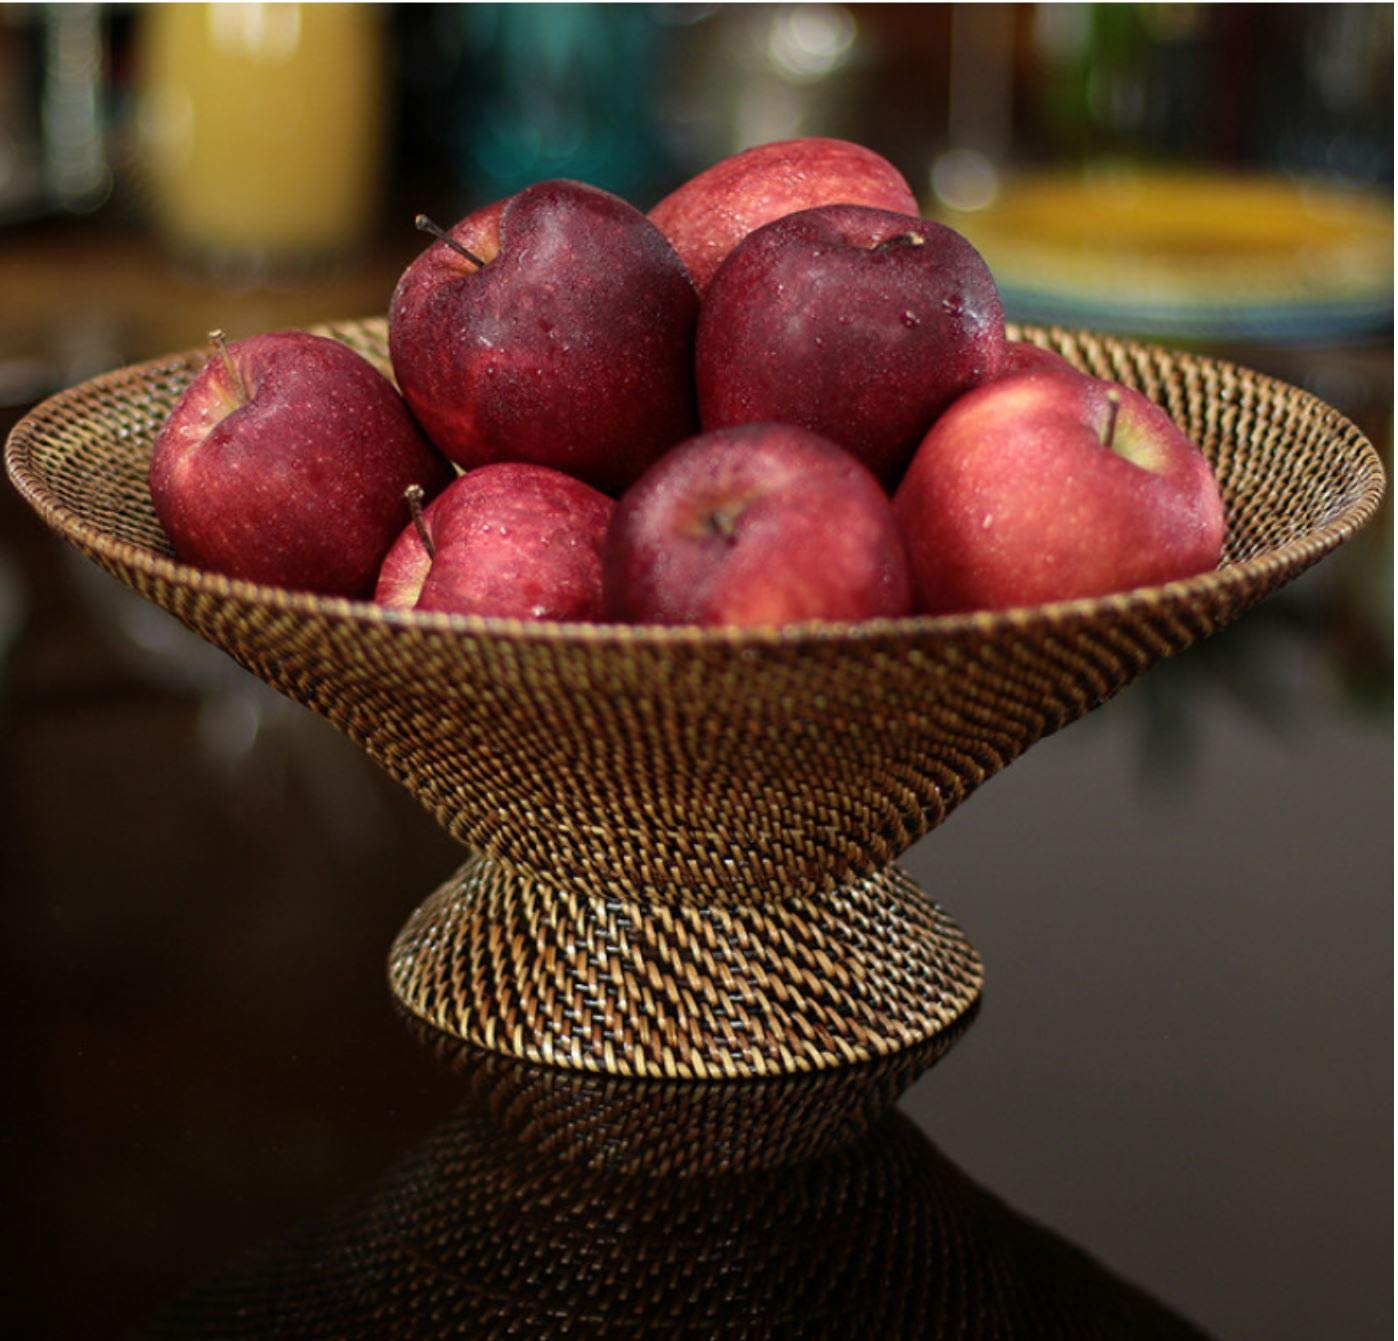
pixel 858 324
pixel 285 462
pixel 711 213
pixel 516 541
pixel 1043 487
pixel 571 346
pixel 765 524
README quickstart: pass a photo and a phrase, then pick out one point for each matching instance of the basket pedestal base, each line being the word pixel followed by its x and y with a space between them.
pixel 719 991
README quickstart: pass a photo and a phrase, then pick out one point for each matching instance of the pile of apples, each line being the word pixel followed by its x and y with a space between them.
pixel 871 443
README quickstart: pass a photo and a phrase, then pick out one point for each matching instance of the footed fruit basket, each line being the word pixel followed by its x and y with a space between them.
pixel 683 842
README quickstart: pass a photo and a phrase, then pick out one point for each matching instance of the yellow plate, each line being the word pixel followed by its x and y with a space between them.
pixel 1189 253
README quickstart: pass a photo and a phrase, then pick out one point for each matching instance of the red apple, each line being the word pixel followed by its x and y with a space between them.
pixel 855 323
pixel 1020 357
pixel 285 462
pixel 517 541
pixel 711 213
pixel 570 345
pixel 1043 487
pixel 765 524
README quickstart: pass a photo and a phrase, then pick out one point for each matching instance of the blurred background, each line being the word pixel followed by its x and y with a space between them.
pixel 1184 1063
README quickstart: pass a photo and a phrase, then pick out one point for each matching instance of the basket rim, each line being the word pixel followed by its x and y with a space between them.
pixel 1221 582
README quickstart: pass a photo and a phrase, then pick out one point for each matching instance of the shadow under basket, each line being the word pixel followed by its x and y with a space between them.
pixel 684 840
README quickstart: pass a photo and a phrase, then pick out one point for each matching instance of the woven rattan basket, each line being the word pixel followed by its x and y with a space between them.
pixel 684 840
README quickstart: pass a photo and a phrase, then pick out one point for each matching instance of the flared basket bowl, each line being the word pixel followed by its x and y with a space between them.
pixel 711 766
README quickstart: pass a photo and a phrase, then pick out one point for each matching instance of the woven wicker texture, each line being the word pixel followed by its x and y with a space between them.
pixel 750 770
pixel 680 989
pixel 476 1233
pixel 606 1123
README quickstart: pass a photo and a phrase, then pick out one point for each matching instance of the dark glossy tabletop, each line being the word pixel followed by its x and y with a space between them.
pixel 1175 1102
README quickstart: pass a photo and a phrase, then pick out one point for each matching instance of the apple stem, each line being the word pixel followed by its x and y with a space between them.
pixel 220 344
pixel 425 225
pixel 1109 432
pixel 722 523
pixel 902 240
pixel 414 496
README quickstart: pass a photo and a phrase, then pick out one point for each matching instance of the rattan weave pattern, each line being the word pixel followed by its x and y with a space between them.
pixel 620 1128
pixel 682 990
pixel 661 776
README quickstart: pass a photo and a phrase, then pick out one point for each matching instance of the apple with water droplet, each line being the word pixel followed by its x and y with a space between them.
pixel 762 524
pixel 555 328
pixel 1048 486
pixel 858 324
pixel 511 540
pixel 285 462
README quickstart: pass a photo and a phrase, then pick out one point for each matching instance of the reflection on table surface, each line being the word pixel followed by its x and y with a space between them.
pixel 783 1208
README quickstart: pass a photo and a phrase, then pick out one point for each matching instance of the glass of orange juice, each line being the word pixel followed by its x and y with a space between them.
pixel 261 129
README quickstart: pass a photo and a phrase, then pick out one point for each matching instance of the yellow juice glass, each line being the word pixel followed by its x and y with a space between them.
pixel 261 128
